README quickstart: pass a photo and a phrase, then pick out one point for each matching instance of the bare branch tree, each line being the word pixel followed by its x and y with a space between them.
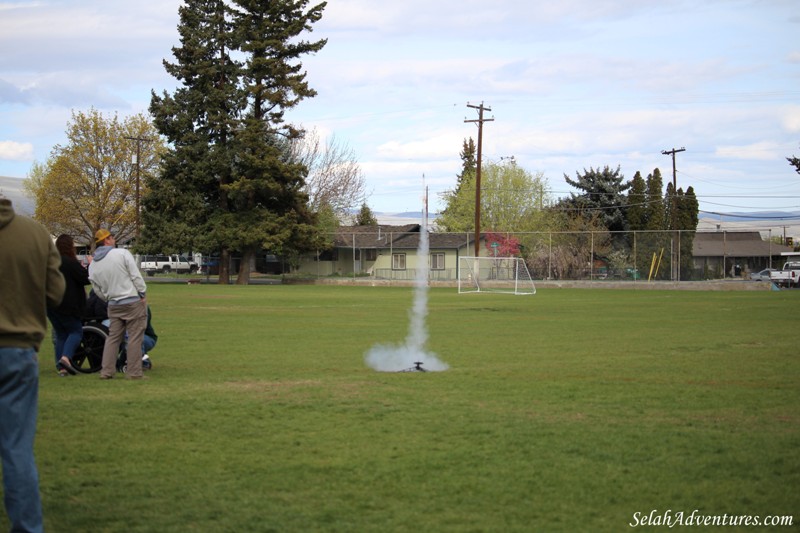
pixel 334 176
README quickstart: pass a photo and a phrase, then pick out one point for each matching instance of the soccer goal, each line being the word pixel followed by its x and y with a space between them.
pixel 507 275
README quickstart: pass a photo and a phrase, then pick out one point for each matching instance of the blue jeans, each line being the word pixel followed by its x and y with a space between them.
pixel 69 332
pixel 148 343
pixel 19 397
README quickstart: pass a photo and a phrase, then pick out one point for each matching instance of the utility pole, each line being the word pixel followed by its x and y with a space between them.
pixel 139 141
pixel 676 268
pixel 481 108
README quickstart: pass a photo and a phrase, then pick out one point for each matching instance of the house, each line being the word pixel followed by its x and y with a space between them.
pixel 719 253
pixel 389 252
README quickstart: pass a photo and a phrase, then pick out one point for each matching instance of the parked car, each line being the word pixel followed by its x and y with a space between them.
pixel 167 263
pixel 761 276
pixel 788 276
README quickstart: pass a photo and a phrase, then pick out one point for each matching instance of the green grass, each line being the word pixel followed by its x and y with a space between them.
pixel 566 411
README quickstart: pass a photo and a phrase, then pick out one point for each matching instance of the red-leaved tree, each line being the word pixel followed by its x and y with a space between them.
pixel 507 246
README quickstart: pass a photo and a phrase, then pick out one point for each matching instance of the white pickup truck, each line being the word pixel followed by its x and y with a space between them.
pixel 788 276
pixel 152 264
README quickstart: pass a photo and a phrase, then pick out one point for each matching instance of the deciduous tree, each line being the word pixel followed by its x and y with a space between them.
pixel 90 182
pixel 334 175
pixel 512 199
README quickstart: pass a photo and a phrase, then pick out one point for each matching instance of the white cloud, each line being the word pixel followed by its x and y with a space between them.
pixel 791 119
pixel 15 151
pixel 762 150
pixel 572 84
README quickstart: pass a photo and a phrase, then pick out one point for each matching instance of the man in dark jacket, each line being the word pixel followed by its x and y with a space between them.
pixel 29 282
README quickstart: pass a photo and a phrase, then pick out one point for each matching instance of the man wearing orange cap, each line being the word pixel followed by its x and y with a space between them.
pixel 116 280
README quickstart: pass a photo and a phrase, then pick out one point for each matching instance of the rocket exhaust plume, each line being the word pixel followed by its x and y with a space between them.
pixel 411 355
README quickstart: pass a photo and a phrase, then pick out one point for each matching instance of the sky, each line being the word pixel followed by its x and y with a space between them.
pixel 571 84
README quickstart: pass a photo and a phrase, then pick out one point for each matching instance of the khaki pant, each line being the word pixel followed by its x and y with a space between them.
pixel 130 318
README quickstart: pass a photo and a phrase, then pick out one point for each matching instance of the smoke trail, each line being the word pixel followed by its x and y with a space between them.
pixel 394 358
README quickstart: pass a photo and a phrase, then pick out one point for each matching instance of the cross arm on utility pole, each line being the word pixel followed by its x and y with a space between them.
pixel 673 202
pixel 479 121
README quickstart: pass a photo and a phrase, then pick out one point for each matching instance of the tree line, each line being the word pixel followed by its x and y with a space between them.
pixel 606 209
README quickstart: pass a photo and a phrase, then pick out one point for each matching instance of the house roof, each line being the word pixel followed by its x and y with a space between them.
pixel 734 244
pixel 397 237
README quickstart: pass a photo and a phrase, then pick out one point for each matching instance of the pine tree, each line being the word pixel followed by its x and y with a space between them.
pixel 458 208
pixel 795 162
pixel 670 207
pixel 687 219
pixel 230 183
pixel 636 212
pixel 269 206
pixel 653 243
pixel 602 191
pixel 655 218
pixel 469 165
pixel 366 217
pixel 198 120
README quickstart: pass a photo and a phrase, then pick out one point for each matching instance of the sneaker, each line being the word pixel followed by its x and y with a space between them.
pixel 66 364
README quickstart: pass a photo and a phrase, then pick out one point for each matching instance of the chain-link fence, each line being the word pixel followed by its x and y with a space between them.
pixel 553 255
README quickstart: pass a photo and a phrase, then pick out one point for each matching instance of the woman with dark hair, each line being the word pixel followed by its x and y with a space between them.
pixel 66 318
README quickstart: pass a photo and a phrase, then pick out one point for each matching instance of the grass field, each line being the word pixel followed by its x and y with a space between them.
pixel 570 410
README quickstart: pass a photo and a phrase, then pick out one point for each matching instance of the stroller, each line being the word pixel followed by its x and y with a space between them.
pixel 88 356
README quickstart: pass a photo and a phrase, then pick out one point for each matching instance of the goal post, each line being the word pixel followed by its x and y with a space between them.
pixel 507 275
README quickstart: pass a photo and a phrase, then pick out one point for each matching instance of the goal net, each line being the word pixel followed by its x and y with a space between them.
pixel 507 275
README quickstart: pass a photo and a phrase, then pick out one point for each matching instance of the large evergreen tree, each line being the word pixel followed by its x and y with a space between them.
pixel 230 183
pixel 654 242
pixel 655 218
pixel 270 206
pixel 198 120
pixel 603 192
pixel 688 215
pixel 636 211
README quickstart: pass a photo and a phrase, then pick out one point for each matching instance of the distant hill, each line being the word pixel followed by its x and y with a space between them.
pixel 765 216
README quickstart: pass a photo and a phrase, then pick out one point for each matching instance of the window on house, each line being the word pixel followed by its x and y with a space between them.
pixel 370 254
pixel 437 261
pixel 329 255
pixel 398 261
